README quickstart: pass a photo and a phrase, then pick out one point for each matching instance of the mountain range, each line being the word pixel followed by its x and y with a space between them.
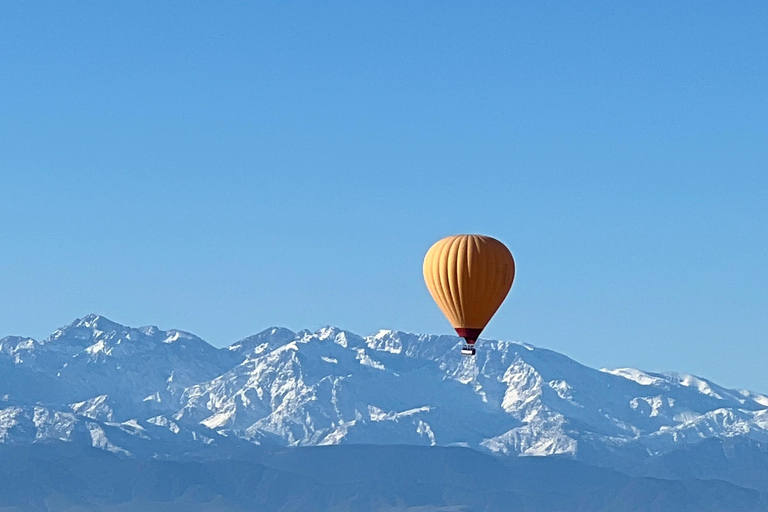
pixel 145 394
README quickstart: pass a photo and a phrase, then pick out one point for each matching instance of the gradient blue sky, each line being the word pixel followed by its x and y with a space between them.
pixel 224 167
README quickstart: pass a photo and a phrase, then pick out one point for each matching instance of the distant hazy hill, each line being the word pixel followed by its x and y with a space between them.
pixel 67 476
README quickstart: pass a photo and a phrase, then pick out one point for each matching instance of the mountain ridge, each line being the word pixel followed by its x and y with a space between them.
pixel 147 392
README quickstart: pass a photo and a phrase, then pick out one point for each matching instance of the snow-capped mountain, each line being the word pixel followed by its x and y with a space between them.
pixel 147 391
pixel 93 357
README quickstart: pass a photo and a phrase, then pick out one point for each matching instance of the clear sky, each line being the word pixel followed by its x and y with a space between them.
pixel 222 167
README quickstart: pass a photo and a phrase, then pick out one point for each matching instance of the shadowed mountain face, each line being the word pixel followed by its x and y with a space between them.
pixel 147 393
pixel 67 476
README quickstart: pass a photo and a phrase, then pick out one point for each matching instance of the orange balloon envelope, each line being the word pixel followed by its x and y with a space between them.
pixel 469 276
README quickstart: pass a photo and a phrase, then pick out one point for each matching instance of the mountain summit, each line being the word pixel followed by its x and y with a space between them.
pixel 147 391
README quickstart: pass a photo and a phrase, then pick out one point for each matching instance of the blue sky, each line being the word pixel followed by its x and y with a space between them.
pixel 226 167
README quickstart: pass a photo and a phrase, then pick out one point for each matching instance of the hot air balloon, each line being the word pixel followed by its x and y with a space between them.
pixel 469 276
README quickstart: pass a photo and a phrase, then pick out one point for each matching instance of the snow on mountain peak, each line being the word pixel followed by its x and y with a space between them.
pixel 386 340
pixel 120 387
pixel 341 337
pixel 642 378
pixel 265 340
pixel 702 385
pixel 92 320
